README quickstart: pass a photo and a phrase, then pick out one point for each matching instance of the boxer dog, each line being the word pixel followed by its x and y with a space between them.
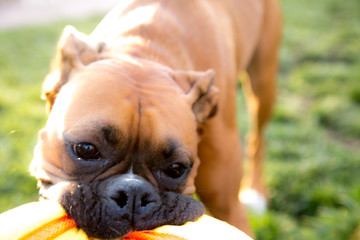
pixel 138 120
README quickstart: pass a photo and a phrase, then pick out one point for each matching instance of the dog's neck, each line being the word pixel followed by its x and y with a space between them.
pixel 130 33
pixel 147 50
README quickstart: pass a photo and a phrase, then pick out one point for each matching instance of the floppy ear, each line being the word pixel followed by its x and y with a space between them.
pixel 200 92
pixel 74 51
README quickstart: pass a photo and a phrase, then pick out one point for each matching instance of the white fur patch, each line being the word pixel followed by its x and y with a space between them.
pixel 254 201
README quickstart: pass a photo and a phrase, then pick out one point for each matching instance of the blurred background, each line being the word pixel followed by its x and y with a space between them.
pixel 313 153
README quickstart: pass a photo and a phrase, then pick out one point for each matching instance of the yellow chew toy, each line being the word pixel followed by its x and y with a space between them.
pixel 45 220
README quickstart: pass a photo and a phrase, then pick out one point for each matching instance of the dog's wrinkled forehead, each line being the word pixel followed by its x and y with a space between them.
pixel 133 98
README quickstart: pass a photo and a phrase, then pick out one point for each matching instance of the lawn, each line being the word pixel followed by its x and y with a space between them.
pixel 313 153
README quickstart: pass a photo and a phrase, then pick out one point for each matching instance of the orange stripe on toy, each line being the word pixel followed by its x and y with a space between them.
pixel 51 230
pixel 150 235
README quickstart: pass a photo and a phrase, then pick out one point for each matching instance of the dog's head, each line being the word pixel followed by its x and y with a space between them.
pixel 119 150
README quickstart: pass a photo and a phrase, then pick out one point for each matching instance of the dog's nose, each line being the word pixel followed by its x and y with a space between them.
pixel 133 191
pixel 134 196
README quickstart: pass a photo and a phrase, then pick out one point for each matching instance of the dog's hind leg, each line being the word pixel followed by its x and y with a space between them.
pixel 260 92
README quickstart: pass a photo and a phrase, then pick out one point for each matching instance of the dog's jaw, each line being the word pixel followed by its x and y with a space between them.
pixel 100 216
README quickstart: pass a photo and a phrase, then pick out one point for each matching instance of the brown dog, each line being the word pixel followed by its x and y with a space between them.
pixel 130 106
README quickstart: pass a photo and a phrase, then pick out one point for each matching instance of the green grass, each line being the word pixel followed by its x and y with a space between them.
pixel 313 153
pixel 25 57
pixel 313 160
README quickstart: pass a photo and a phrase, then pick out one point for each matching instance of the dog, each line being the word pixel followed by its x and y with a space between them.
pixel 138 121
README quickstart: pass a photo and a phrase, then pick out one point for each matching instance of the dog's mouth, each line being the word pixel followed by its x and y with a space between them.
pixel 107 212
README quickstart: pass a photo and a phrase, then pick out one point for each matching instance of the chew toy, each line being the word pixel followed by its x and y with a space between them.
pixel 45 220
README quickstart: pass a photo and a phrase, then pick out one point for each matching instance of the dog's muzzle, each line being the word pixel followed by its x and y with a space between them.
pixel 120 204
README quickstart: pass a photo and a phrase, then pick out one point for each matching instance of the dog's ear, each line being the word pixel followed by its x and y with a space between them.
pixel 200 92
pixel 74 51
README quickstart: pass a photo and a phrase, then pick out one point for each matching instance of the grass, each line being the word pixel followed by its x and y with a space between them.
pixel 313 159
pixel 25 56
pixel 313 153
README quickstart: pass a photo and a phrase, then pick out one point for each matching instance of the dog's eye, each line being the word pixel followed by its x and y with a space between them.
pixel 86 151
pixel 175 170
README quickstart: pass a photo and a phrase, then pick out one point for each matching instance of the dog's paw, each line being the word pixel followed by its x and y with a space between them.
pixel 253 200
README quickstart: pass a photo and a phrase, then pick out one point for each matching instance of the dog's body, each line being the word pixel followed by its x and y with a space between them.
pixel 129 106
